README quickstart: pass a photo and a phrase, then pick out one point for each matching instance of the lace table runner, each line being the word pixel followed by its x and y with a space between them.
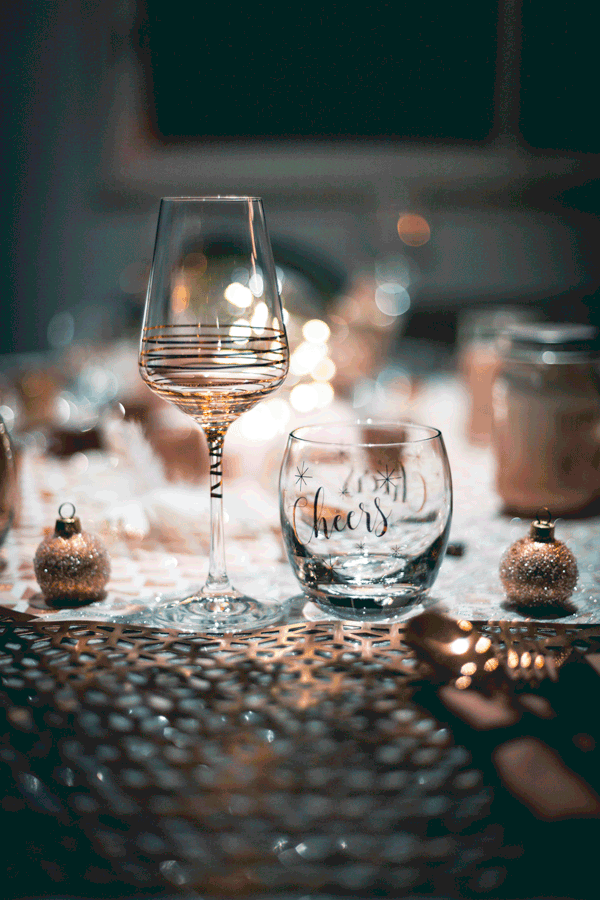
pixel 151 560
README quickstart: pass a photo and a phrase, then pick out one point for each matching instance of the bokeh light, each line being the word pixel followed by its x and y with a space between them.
pixel 307 357
pixel 238 331
pixel 324 393
pixel 324 370
pixel 265 421
pixel 260 316
pixel 413 229
pixel 304 397
pixel 256 284
pixel 238 295
pixel 316 331
pixel 180 297
pixel 392 299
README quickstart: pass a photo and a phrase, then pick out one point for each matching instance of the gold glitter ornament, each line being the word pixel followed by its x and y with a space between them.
pixel 72 567
pixel 539 571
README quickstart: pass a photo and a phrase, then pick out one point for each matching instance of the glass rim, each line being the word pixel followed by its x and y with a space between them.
pixel 432 433
pixel 231 197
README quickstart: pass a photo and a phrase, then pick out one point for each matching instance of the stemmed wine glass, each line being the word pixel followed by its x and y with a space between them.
pixel 214 344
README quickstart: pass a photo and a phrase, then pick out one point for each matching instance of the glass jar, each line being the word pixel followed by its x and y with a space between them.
pixel 546 419
pixel 479 361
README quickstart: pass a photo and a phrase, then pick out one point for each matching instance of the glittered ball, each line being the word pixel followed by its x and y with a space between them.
pixel 538 572
pixel 72 567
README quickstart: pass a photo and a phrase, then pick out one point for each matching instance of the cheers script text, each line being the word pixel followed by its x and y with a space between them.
pixel 376 522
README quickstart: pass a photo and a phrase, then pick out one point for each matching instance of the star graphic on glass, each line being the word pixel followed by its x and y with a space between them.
pixel 396 551
pixel 386 479
pixel 344 492
pixel 361 547
pixel 301 475
pixel 328 566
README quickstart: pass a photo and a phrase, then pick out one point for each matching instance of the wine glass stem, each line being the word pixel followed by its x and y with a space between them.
pixel 217 580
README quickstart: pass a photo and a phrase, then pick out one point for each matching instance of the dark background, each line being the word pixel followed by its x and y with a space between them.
pixel 322 71
pixel 391 71
pixel 257 79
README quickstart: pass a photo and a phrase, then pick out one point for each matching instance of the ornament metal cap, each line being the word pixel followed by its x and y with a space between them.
pixel 67 525
pixel 542 530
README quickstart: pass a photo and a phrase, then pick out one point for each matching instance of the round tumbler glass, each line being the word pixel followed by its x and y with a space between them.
pixel 365 512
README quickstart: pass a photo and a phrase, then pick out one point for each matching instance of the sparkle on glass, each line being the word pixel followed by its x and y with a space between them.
pixel 386 479
pixel 396 551
pixel 328 566
pixel 301 475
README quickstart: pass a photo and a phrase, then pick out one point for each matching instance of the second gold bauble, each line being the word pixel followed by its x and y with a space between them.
pixel 538 570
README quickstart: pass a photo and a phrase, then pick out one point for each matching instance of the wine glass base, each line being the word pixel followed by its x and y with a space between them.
pixel 213 614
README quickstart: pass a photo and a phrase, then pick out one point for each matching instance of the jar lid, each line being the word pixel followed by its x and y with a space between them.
pixel 559 339
pixel 487 323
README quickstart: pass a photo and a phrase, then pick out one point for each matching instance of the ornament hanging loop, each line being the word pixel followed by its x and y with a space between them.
pixel 542 530
pixel 67 526
pixel 63 515
pixel 544 516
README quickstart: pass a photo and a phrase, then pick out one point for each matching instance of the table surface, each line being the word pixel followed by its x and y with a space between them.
pixel 302 758
pixel 308 759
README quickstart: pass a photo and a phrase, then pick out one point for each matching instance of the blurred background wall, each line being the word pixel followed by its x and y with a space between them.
pixel 480 119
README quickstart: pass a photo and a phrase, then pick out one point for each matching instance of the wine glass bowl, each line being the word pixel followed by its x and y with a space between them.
pixel 213 373
pixel 213 344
